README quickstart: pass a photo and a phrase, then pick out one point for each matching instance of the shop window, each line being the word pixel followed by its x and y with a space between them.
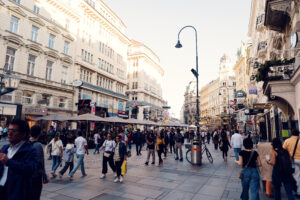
pixel 45 101
pixel 62 103
pixel 27 98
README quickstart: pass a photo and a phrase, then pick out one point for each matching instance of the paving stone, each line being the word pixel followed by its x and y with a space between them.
pixel 178 195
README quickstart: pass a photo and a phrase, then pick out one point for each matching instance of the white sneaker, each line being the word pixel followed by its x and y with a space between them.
pixel 116 180
pixel 102 176
pixel 121 179
pixel 116 174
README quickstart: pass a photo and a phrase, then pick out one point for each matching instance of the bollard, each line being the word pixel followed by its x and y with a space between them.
pixel 196 152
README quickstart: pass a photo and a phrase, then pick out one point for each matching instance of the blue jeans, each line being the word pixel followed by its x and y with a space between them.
pixel 236 153
pixel 80 162
pixel 97 146
pixel 56 160
pixel 250 180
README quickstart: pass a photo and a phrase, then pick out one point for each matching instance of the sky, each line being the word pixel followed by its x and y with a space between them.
pixel 221 27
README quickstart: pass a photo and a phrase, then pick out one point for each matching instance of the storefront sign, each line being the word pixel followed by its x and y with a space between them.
pixel 6 109
pixel 34 111
pixel 77 83
pixel 240 94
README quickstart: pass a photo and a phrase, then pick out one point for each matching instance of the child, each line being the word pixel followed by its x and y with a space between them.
pixel 68 157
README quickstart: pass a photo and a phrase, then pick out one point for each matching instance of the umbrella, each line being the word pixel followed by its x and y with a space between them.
pixel 87 117
pixel 53 117
pixel 115 120
pixel 135 121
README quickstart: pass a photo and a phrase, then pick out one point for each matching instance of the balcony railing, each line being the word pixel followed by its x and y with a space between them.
pixel 277 14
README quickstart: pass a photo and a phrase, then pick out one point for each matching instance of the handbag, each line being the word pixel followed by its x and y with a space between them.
pixel 124 168
pixel 293 161
pixel 106 154
pixel 241 173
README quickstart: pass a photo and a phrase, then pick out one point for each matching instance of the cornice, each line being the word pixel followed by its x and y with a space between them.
pixel 17 10
pixel 37 20
pixel 69 37
pixel 54 29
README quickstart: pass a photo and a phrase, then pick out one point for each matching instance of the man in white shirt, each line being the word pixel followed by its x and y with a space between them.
pixel 236 143
pixel 81 149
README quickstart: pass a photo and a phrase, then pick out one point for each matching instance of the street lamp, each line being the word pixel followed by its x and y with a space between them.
pixel 196 155
pixel 8 82
pixel 195 72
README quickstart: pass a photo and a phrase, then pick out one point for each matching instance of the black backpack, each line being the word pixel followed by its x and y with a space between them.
pixel 283 162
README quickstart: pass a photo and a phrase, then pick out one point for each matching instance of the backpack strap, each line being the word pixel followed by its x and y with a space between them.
pixel 295 148
pixel 251 155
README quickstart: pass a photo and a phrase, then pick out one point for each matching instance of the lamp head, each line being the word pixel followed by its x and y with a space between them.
pixel 178 45
pixel 220 93
pixel 195 72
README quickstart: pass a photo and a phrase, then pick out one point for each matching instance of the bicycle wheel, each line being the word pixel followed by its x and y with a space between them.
pixel 188 155
pixel 209 157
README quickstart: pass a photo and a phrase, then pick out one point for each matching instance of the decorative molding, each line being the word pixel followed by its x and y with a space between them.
pixel 17 10
pixel 54 29
pixel 67 60
pixel 34 47
pixel 52 54
pixel 14 39
pixel 69 37
pixel 37 20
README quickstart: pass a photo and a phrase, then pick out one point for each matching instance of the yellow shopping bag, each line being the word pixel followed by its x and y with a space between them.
pixel 124 168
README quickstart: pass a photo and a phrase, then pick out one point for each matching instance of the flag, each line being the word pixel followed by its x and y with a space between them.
pixel 252 89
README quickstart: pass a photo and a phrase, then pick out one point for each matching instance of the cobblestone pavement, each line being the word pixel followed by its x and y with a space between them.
pixel 174 180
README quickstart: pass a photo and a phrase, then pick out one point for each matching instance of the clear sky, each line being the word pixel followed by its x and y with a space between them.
pixel 221 26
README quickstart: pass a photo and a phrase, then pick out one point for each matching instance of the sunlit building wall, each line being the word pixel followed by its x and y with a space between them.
pixel 145 79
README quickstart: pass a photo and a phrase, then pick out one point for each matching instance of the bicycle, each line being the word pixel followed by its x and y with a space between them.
pixel 188 153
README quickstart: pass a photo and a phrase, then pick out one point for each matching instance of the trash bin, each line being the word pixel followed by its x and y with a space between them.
pixel 196 152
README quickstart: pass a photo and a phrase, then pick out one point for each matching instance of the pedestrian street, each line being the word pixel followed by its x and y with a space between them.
pixel 173 180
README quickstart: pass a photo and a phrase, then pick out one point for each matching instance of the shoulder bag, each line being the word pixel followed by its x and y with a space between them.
pixel 241 173
pixel 293 160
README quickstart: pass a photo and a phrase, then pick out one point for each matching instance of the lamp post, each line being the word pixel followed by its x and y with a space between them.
pixel 196 145
pixel 195 72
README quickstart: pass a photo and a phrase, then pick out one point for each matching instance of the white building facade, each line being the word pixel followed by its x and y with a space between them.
pixel 145 83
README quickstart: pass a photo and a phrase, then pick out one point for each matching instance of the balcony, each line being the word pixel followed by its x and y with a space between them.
pixel 260 25
pixel 262 49
pixel 277 14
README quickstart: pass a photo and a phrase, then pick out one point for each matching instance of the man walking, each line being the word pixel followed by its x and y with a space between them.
pixel 19 162
pixel 178 145
pixel 81 149
pixel 138 142
pixel 293 147
pixel 236 143
pixel 172 140
pixel 151 151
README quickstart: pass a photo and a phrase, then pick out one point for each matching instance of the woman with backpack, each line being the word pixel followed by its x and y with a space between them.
pixel 249 159
pixel 224 146
pixel 282 171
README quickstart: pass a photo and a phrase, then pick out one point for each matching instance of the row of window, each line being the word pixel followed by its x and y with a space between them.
pixel 104 82
pixel 28 99
pixel 102 64
pixel 120 88
pixel 31 65
pixel 85 75
pixel 106 50
pixel 14 28
pixel 87 56
pixel 120 73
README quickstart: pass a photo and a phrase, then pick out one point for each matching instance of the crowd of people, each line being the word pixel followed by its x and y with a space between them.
pixel 22 161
